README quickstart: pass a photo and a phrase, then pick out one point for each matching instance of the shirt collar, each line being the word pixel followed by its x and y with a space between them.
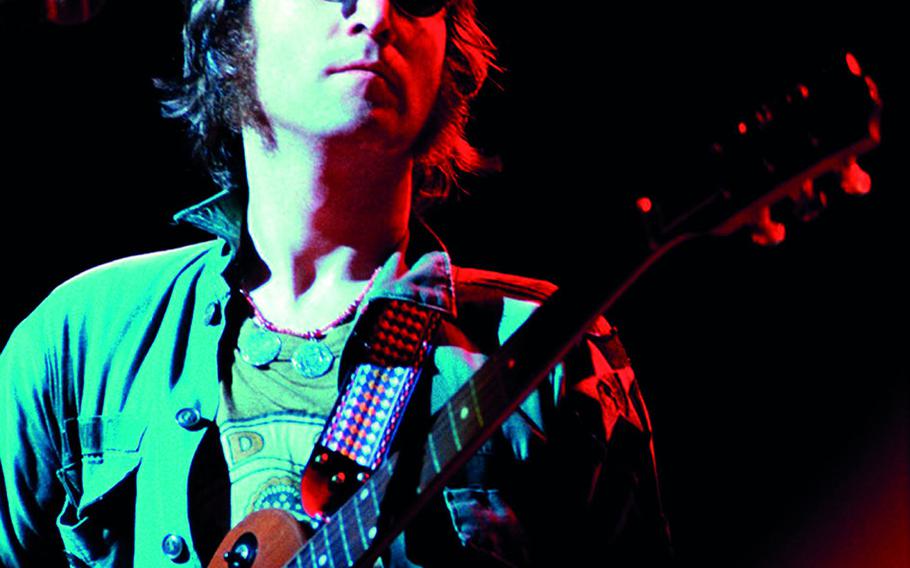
pixel 423 274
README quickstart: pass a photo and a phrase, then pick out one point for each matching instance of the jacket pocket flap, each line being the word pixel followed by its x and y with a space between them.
pixel 99 478
pixel 107 452
pixel 101 434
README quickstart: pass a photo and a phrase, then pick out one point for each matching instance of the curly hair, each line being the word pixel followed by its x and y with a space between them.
pixel 216 96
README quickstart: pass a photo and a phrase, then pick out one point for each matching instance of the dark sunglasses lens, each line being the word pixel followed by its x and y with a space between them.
pixel 420 8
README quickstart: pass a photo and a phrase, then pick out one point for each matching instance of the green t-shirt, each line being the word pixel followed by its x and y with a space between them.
pixel 270 418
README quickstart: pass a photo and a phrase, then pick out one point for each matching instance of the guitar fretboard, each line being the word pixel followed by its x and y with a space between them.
pixel 348 534
pixel 470 416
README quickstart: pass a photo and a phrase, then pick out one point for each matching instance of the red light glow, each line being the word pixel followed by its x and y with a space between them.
pixel 853 65
pixel 742 128
pixel 644 204
pixel 854 180
pixel 70 12
pixel 766 231
pixel 873 91
pixel 804 91
pixel 875 130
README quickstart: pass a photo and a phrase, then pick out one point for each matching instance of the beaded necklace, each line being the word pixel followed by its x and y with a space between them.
pixel 311 358
pixel 319 332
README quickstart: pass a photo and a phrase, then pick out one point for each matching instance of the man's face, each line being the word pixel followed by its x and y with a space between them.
pixel 310 74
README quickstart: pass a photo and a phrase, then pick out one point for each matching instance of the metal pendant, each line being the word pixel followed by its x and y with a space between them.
pixel 259 346
pixel 312 359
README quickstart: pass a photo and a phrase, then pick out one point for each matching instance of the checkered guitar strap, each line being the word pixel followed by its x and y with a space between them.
pixel 360 429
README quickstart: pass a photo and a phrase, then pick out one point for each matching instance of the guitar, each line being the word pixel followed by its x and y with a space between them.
pixel 817 129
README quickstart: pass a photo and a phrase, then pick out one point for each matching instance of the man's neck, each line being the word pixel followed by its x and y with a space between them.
pixel 321 221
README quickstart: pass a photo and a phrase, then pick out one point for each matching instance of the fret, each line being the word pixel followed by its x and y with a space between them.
pixel 312 548
pixel 328 548
pixel 452 427
pixel 389 469
pixel 431 444
pixel 475 403
pixel 344 537
pixel 359 518
pixel 376 485
pixel 375 502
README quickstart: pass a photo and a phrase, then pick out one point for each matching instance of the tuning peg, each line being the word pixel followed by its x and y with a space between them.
pixel 765 230
pixel 853 179
pixel 809 202
pixel 650 222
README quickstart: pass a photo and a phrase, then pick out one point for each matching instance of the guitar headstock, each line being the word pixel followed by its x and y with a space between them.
pixel 792 148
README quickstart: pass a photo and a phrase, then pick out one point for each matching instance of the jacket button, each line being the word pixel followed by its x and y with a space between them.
pixel 174 547
pixel 213 313
pixel 188 418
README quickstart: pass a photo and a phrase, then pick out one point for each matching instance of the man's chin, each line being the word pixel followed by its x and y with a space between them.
pixel 378 124
pixel 364 124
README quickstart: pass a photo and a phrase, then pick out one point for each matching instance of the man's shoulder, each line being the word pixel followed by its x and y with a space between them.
pixel 112 303
pixel 513 297
pixel 479 284
pixel 128 281
pixel 163 263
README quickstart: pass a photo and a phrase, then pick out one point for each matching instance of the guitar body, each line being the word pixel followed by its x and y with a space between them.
pixel 269 538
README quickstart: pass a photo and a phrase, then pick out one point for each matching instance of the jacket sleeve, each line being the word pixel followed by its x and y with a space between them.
pixel 576 484
pixel 30 494
pixel 601 453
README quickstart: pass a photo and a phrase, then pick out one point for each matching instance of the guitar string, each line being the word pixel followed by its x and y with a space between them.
pixel 461 398
pixel 378 482
pixel 441 430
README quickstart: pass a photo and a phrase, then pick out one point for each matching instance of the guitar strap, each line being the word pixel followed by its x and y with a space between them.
pixel 363 423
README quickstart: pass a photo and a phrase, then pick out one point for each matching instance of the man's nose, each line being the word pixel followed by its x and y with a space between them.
pixel 372 17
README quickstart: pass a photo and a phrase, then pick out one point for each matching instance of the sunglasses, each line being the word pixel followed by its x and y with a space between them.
pixel 415 8
pixel 420 8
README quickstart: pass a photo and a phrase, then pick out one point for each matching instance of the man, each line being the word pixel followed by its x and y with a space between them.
pixel 150 404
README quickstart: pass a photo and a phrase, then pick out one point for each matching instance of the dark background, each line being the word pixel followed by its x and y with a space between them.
pixel 776 378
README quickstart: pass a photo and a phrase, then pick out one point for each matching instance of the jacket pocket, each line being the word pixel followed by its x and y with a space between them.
pixel 486 523
pixel 96 523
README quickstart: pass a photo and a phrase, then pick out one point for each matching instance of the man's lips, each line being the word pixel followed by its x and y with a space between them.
pixel 375 67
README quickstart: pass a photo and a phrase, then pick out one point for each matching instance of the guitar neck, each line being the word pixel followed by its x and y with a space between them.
pixel 354 535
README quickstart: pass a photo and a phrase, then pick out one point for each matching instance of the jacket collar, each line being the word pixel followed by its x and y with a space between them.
pixel 422 275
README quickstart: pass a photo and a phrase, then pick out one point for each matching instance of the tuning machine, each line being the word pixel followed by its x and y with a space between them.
pixel 854 180
pixel 812 196
pixel 765 230
pixel 809 202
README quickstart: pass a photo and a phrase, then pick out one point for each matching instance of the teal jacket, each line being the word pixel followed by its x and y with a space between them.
pixel 110 387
